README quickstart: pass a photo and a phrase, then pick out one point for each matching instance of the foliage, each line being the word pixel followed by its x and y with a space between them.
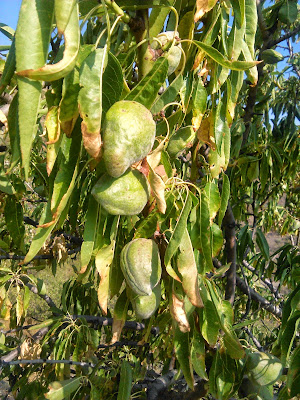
pixel 206 193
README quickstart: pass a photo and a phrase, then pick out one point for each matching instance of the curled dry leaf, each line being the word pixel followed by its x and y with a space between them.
pixel 178 313
pixel 29 350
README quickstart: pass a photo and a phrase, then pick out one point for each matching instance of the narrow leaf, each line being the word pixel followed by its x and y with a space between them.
pixel 220 59
pixel 188 270
pixel 224 198
pixel 168 96
pixel 147 89
pixel 262 244
pixel 90 100
pixel 60 390
pixel 90 229
pixel 178 231
pixel 158 187
pixel 103 261
pixel 35 16
pixel 124 390
pixel 52 72
pixel 13 213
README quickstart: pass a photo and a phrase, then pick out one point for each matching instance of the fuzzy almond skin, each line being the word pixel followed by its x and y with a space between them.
pixel 128 136
pixel 141 266
pixel 145 306
pixel 126 195
pixel 264 369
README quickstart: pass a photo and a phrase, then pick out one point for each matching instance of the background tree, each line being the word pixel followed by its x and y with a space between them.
pixel 83 177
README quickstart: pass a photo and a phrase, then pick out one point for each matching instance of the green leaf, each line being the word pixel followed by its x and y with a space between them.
pixel 63 10
pixel 208 318
pixel 69 153
pixel 182 345
pixel 168 96
pixel 223 376
pixel 262 244
pixel 68 104
pixel 54 137
pixel 220 59
pixel 288 12
pixel 5 185
pixel 60 390
pixel 9 68
pixel 90 100
pixel 204 233
pixel 178 233
pixel 13 213
pixel 35 16
pixel 112 84
pixel 146 90
pixel 52 72
pixel 124 390
pixel 7 31
pixel 216 239
pixel 224 198
pixel 199 100
pixel 251 24
pixel 232 344
pixel 221 128
pixel 198 354
pixel 214 201
pixel 90 230
pixel 293 376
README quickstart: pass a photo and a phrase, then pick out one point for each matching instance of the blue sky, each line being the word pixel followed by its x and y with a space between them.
pixel 9 11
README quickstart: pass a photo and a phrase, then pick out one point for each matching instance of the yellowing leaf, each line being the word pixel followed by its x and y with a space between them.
pixel 203 6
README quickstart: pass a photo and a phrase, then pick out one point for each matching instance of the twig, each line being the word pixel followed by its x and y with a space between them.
pixel 103 321
pixel 255 341
pixel 39 257
pixel 275 310
pixel 48 361
pixel 265 281
pixel 45 297
pixel 122 343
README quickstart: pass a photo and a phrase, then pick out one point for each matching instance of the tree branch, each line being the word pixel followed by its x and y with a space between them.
pixel 288 35
pixel 229 225
pixel 275 310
